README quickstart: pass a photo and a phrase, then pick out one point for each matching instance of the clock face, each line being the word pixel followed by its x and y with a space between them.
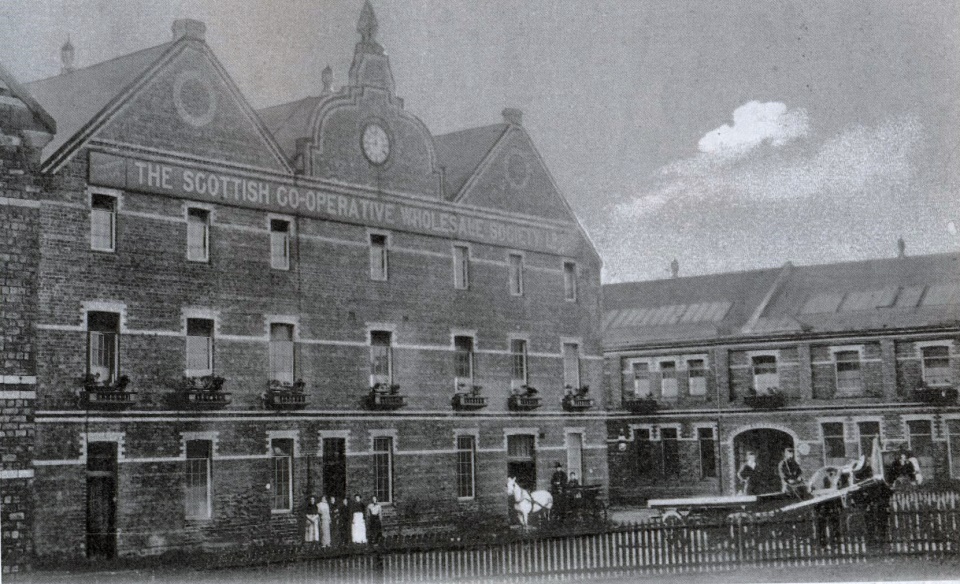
pixel 376 144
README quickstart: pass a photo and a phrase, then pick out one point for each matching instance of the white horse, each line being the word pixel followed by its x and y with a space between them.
pixel 526 503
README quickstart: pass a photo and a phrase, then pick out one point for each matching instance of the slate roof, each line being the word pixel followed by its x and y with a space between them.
pixel 75 98
pixel 460 154
pixel 893 293
pixel 288 122
pixel 9 86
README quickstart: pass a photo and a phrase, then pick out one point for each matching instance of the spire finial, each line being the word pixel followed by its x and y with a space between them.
pixel 66 56
pixel 326 77
pixel 367 27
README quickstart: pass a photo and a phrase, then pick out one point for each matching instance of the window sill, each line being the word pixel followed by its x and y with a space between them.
pixel 203 261
pixel 103 250
pixel 465 499
pixel 199 519
pixel 281 511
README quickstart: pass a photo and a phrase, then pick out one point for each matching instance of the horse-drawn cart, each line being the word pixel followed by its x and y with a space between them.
pixel 584 504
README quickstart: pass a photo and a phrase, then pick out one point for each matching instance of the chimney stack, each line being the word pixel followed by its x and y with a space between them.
pixel 326 77
pixel 66 57
pixel 187 27
pixel 674 268
pixel 512 115
pixel 901 248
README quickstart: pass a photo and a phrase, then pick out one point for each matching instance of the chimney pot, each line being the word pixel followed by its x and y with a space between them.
pixel 512 115
pixel 187 27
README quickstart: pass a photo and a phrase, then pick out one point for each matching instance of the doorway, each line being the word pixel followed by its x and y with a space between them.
pixel 769 445
pixel 102 500
pixel 335 467
pixel 522 460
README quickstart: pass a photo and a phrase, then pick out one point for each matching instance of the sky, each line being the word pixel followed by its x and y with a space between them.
pixel 730 135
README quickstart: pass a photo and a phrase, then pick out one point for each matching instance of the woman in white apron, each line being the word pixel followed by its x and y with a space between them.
pixel 358 529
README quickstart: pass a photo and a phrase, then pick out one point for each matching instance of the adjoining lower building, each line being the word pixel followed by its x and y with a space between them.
pixel 225 310
pixel 823 359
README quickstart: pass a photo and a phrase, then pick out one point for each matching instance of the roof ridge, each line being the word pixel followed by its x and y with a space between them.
pixel 474 128
pixel 95 65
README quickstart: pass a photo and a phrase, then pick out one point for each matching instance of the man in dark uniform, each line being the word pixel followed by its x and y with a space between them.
pixel 791 475
pixel 558 483
pixel 747 474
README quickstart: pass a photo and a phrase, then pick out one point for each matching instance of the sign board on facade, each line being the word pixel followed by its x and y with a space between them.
pixel 287 197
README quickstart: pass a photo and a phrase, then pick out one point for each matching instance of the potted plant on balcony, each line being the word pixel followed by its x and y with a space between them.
pixel 470 399
pixel 203 392
pixel 576 399
pixel 282 395
pixel 107 394
pixel 771 399
pixel 525 397
pixel 642 405
pixel 385 396
pixel 939 396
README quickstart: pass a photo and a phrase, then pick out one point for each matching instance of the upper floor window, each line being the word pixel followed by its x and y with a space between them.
pixel 381 358
pixel 463 359
pixel 570 281
pixel 103 343
pixel 641 379
pixel 571 365
pixel 765 376
pixel 516 274
pixel 280 244
pixel 461 267
pixel 518 355
pixel 834 445
pixel 103 222
pixel 868 431
pixel 378 256
pixel 849 377
pixel 936 365
pixel 668 379
pixel 199 347
pixel 697 376
pixel 198 235
pixel 281 353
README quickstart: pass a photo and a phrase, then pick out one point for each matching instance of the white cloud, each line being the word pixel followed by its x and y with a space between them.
pixel 755 123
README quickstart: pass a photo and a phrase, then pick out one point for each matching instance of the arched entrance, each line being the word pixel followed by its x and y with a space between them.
pixel 769 445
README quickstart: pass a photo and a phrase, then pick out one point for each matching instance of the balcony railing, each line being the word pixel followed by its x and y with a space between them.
pixel 641 405
pixel 377 400
pixel 281 396
pixel 765 401
pixel 203 393
pixel 576 403
pixel 523 403
pixel 467 401
pixel 111 395
pixel 939 396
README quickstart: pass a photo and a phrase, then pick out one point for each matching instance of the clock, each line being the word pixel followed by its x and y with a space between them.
pixel 375 143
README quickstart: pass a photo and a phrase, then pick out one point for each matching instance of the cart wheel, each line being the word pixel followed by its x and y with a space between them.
pixel 672 518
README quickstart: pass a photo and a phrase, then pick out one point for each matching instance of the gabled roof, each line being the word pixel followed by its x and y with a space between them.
pixel 288 122
pixel 460 154
pixel 73 99
pixel 870 295
pixel 10 86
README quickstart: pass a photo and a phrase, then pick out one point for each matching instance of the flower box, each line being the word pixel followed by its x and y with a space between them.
pixel 385 401
pixel 203 393
pixel 285 396
pixel 940 396
pixel 642 405
pixel 523 403
pixel 576 403
pixel 765 401
pixel 109 395
pixel 467 401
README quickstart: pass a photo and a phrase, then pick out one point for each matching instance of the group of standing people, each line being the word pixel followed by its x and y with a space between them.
pixel 564 490
pixel 332 522
pixel 788 469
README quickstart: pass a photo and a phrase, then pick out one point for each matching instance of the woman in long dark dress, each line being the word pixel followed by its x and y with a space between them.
pixel 346 519
pixel 335 523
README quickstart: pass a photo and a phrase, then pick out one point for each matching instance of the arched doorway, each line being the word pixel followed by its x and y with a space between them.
pixel 769 445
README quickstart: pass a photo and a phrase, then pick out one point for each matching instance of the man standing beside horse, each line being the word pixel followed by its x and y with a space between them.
pixel 558 485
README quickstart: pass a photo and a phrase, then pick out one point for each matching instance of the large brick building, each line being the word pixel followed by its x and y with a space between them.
pixel 823 358
pixel 223 310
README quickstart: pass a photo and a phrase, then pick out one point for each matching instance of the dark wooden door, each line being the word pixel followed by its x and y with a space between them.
pixel 102 499
pixel 335 467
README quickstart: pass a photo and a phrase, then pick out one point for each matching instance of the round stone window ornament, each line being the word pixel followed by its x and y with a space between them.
pixel 375 143
pixel 194 98
pixel 803 448
pixel 518 169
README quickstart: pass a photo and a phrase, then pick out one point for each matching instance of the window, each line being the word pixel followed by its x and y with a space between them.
pixel 518 354
pixel 516 274
pixel 571 365
pixel 197 498
pixel 648 454
pixel 381 358
pixel 668 379
pixel 281 353
pixel 199 347
pixel 281 450
pixel 849 378
pixel 936 365
pixel 378 256
pixel 641 379
pixel 463 359
pixel 765 377
pixel 103 223
pixel 868 431
pixel 198 235
pixel 708 453
pixel 574 443
pixel 921 438
pixel 103 343
pixel 461 267
pixel 671 452
pixel 279 244
pixel 383 468
pixel 697 376
pixel 834 446
pixel 466 466
pixel 570 281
